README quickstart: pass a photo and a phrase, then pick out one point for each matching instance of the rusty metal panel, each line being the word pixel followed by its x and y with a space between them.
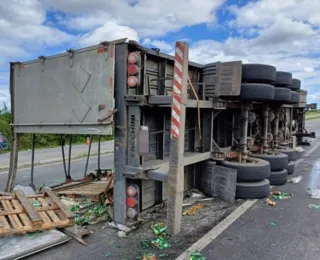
pixel 68 93
pixel 222 79
pixel 148 194
pixel 159 72
pixel 302 98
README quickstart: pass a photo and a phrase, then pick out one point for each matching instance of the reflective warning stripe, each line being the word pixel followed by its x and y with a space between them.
pixel 177 87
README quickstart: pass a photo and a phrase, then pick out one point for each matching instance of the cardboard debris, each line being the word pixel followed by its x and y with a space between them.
pixel 193 210
pixel 295 180
pixel 270 202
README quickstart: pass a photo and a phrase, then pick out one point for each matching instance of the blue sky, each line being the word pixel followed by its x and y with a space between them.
pixel 282 33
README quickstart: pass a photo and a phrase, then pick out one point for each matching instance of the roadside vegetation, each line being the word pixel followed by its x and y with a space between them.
pixel 313 114
pixel 42 141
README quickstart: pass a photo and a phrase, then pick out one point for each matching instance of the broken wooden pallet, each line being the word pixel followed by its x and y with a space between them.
pixel 86 189
pixel 20 213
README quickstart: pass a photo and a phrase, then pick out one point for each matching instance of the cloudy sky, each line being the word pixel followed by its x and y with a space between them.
pixel 285 33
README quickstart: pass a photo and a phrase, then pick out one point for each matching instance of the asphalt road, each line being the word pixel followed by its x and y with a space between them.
pixel 52 174
pixel 24 157
pixel 288 231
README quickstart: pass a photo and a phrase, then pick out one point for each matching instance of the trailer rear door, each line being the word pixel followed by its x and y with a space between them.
pixel 71 93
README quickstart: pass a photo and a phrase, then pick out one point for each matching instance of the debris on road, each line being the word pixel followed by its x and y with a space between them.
pixel 270 202
pixel 314 206
pixel 119 227
pixel 77 232
pixel 295 180
pixel 196 255
pixel 193 210
pixel 159 228
pixel 146 244
pixel 278 195
pixel 149 256
pixel 314 193
pixel 272 224
pixel 121 234
pixel 161 243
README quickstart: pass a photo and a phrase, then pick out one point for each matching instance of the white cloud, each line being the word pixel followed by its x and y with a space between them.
pixel 162 45
pixel 23 29
pixel 148 18
pixel 108 32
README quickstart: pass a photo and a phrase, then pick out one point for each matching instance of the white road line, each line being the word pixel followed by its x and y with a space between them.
pixel 224 224
pixel 56 163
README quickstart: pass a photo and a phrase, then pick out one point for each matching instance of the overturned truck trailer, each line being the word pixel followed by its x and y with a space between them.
pixel 176 124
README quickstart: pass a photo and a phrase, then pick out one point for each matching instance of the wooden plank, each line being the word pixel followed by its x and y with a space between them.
pixel 13 218
pixel 4 223
pixel 51 213
pixel 28 207
pixel 3 193
pixel 56 201
pixel 14 197
pixel 24 218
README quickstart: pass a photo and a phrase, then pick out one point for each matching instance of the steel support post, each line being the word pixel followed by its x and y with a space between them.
pixel 63 157
pixel 13 162
pixel 244 130
pixel 207 130
pixel 120 135
pixel 290 125
pixel 88 157
pixel 276 128
pixel 265 116
pixel 178 121
pixel 32 163
pixel 69 159
pixel 285 124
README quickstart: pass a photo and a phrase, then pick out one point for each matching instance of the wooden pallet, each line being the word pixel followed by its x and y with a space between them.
pixel 20 213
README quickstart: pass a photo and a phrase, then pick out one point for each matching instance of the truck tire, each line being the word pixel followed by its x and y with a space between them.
pixel 255 170
pixel 253 190
pixel 258 73
pixel 256 92
pixel 291 153
pixel 277 161
pixel 283 78
pixel 279 177
pixel 294 97
pixel 282 95
pixel 296 84
pixel 290 168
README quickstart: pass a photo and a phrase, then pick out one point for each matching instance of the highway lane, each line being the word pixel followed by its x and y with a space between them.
pixel 52 174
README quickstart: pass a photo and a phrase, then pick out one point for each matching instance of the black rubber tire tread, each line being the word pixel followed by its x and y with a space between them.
pixel 279 177
pixel 282 95
pixel 294 97
pixel 258 73
pixel 283 78
pixel 277 161
pixel 256 170
pixel 290 168
pixel 253 190
pixel 256 92
pixel 291 153
pixel 296 84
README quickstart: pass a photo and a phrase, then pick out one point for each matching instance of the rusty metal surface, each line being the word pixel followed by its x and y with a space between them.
pixel 222 79
pixel 67 93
